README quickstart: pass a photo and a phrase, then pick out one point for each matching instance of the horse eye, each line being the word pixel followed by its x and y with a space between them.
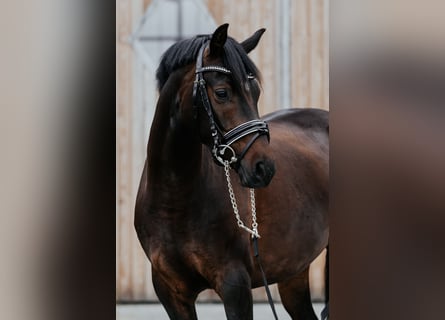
pixel 221 93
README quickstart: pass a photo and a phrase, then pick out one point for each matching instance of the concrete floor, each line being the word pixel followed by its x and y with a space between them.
pixel 213 311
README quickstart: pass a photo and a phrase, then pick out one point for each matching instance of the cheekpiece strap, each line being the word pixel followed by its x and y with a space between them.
pixel 198 74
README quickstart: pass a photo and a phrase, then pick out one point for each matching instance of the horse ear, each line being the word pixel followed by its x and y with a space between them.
pixel 219 38
pixel 250 43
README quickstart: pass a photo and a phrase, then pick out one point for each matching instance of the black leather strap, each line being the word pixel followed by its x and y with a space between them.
pixel 245 129
pixel 266 286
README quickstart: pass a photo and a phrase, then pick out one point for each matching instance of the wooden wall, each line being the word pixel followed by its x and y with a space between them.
pixel 305 38
pixel 293 59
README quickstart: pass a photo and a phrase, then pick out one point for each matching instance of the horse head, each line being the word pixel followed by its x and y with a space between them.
pixel 225 95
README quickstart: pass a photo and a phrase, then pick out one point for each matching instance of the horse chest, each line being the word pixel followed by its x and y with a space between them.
pixel 181 229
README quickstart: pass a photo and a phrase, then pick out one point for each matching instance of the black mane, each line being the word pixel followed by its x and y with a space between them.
pixel 185 52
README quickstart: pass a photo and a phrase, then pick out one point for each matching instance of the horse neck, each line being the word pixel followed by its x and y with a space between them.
pixel 174 148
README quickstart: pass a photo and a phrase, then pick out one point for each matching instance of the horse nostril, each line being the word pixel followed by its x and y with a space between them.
pixel 264 171
pixel 260 170
pixel 260 175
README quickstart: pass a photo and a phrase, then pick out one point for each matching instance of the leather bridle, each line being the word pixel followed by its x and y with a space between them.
pixel 223 141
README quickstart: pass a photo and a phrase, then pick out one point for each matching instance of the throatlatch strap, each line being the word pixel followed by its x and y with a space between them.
pixel 266 286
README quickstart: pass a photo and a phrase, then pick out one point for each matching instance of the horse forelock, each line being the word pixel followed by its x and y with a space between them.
pixel 185 52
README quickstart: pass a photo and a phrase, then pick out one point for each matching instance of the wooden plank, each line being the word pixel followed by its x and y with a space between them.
pixel 300 34
pixel 316 53
pixel 216 9
pixel 118 164
pixel 316 277
pixel 267 53
pixel 123 108
pixel 308 57
pixel 284 55
pixel 256 22
pixel 325 78
pixel 310 53
pixel 137 265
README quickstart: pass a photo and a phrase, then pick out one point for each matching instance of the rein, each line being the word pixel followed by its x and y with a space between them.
pixel 222 143
pixel 253 231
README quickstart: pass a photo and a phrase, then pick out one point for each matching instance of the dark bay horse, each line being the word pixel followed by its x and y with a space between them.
pixel 207 116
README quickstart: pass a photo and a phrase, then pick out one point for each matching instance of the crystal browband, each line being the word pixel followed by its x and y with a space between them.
pixel 213 68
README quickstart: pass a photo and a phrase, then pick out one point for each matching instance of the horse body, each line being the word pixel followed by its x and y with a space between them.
pixel 185 221
pixel 292 210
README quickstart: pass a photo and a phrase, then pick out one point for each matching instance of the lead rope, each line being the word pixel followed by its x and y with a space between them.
pixel 253 231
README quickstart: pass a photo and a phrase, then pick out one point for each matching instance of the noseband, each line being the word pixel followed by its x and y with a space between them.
pixel 223 141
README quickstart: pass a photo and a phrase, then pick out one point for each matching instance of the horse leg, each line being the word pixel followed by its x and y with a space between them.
pixel 179 305
pixel 236 294
pixel 296 297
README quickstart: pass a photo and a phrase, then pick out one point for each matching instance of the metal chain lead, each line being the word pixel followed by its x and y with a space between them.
pixel 253 208
pixel 254 230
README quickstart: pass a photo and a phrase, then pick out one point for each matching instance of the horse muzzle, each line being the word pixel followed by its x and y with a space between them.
pixel 257 175
pixel 254 168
